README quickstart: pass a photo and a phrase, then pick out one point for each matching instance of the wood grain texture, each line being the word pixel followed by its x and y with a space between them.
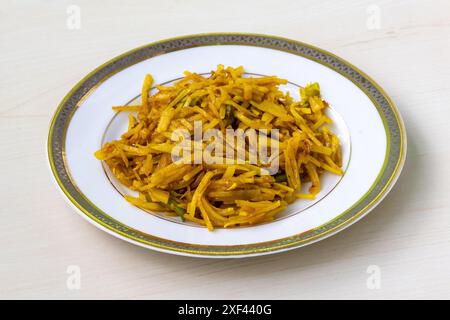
pixel 407 235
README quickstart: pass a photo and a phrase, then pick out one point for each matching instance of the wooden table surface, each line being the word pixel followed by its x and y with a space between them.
pixel 45 50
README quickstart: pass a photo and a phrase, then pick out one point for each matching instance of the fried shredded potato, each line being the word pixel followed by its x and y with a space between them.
pixel 223 194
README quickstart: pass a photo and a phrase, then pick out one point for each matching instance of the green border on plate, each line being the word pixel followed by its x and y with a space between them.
pixel 395 133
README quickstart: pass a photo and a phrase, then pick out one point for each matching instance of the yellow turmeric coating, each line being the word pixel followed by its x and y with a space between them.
pixel 224 194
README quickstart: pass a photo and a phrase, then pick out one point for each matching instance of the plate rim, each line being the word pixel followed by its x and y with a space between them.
pixel 124 232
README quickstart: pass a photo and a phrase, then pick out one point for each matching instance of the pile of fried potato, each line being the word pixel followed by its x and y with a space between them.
pixel 223 194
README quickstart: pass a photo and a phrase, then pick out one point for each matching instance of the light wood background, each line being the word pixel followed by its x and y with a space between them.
pixel 407 236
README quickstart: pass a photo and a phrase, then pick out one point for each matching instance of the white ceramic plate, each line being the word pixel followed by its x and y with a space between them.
pixel 370 129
